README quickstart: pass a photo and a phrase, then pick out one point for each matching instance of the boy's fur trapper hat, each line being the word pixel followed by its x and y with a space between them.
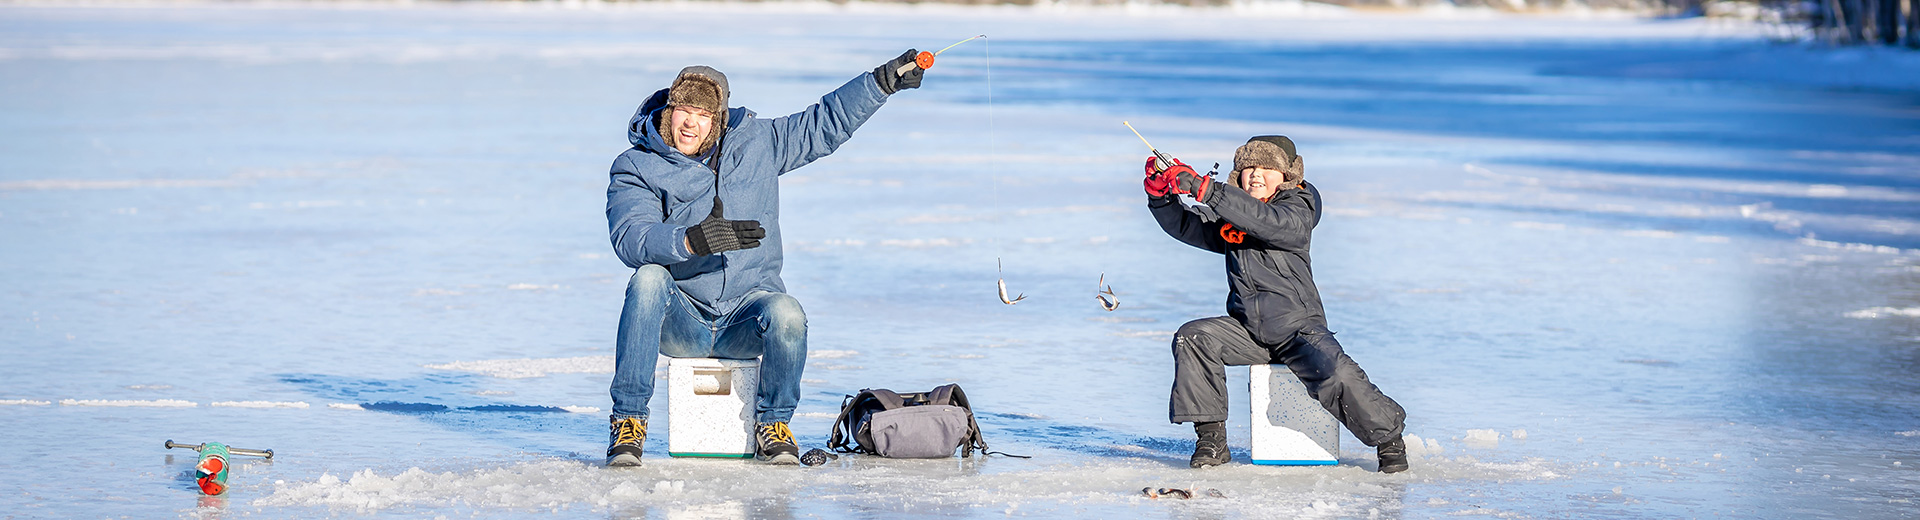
pixel 1269 151
pixel 701 87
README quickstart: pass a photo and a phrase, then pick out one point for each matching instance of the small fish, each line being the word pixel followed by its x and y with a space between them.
pixel 1003 286
pixel 1177 493
pixel 1105 294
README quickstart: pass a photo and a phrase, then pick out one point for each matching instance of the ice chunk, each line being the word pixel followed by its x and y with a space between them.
pixel 1483 438
pixel 1419 447
pixel 831 354
pixel 25 402
pixel 1908 433
pixel 1519 435
pixel 581 409
pixel 1884 312
pixel 344 406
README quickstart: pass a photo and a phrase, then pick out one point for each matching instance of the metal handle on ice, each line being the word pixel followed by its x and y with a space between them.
pixel 236 451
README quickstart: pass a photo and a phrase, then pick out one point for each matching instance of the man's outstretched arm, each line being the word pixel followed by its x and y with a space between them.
pixel 805 136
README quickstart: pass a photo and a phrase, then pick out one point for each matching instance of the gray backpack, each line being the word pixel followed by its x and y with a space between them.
pixel 924 425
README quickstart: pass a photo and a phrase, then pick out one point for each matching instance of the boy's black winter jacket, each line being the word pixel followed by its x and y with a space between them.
pixel 1268 270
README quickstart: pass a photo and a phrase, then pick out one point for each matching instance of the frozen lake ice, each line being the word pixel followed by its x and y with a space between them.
pixel 1611 267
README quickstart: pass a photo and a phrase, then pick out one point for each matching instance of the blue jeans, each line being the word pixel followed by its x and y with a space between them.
pixel 659 319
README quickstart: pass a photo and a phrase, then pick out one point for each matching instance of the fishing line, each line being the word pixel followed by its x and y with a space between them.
pixel 992 143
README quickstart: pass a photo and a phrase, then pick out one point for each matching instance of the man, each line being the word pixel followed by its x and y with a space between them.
pixel 693 207
pixel 1263 223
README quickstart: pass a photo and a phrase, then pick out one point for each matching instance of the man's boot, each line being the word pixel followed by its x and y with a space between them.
pixel 774 444
pixel 625 437
pixel 1210 449
pixel 1393 456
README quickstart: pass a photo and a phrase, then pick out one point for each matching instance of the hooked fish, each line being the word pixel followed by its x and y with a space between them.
pixel 1105 294
pixel 1003 285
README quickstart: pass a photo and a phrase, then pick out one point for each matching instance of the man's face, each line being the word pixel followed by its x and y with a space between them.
pixel 1262 182
pixel 690 126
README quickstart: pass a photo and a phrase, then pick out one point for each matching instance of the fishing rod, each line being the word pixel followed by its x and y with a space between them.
pixel 925 59
pixel 1161 159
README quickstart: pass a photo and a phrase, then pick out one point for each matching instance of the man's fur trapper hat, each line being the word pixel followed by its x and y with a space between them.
pixel 1269 151
pixel 701 87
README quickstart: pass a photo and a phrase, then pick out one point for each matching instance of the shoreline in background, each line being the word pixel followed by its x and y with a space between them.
pixel 1575 9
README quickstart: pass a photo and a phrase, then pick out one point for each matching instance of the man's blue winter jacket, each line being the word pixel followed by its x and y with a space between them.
pixel 657 192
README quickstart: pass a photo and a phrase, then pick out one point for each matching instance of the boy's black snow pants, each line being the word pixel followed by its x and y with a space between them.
pixel 1203 348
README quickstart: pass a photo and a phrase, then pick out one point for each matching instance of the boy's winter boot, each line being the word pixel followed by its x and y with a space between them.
pixel 625 437
pixel 774 444
pixel 1393 456
pixel 1210 449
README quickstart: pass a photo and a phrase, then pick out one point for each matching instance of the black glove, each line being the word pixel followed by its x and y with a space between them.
pixel 890 78
pixel 719 235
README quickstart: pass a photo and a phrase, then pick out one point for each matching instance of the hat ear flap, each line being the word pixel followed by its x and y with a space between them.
pixel 1297 170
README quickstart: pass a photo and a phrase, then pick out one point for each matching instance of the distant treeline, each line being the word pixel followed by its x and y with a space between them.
pixel 1840 22
pixel 1888 22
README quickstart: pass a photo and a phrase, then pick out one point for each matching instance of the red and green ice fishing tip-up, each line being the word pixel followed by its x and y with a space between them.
pixel 211 471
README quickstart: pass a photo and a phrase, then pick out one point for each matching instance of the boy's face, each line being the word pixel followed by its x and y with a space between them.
pixel 1262 182
pixel 690 126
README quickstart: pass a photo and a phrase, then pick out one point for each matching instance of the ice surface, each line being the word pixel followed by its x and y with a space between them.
pixel 258 404
pixel 1638 242
pixel 123 403
pixel 526 368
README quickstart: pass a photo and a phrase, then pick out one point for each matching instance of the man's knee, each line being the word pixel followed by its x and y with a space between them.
pixel 782 316
pixel 650 279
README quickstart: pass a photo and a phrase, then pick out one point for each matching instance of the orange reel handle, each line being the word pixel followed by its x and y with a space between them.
pixel 924 61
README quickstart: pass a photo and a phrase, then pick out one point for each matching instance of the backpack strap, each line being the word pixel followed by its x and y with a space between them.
pixel 953 395
pixel 943 395
pixel 843 428
pixel 887 398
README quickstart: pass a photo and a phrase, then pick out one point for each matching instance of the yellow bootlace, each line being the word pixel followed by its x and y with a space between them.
pixel 630 430
pixel 776 432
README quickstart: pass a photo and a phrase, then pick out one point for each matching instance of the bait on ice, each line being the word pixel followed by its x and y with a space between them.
pixel 210 472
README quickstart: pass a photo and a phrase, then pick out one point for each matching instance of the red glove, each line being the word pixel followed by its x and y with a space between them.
pixel 1192 183
pixel 1159 181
